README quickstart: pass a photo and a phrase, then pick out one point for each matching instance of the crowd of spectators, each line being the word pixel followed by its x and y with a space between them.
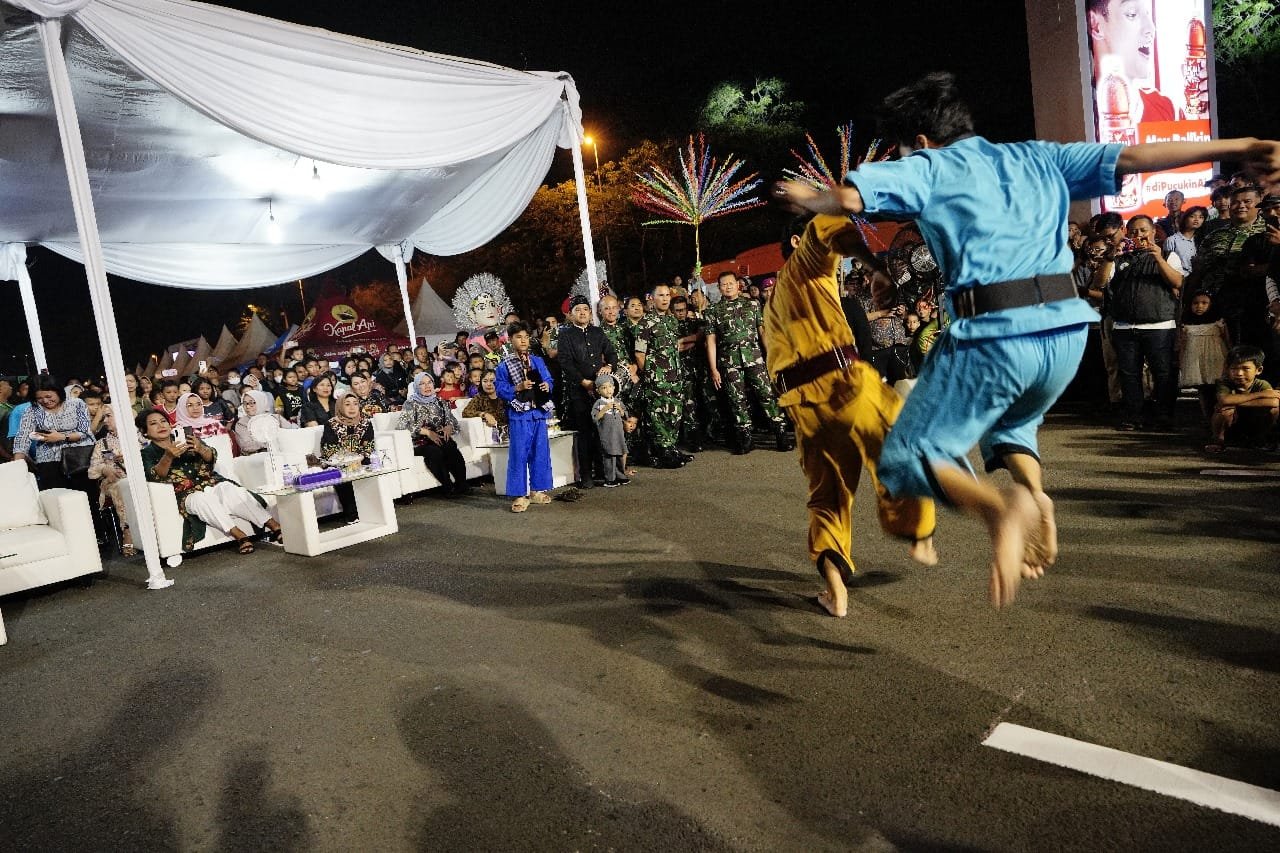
pixel 1189 304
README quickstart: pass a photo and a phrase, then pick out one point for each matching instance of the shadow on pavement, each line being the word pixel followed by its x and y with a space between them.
pixel 95 796
pixel 250 817
pixel 508 786
pixel 1238 645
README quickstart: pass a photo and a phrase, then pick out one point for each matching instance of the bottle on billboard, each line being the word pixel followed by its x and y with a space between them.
pixel 1117 126
pixel 1195 71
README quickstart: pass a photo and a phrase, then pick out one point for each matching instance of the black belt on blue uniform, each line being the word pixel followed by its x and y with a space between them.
pixel 1019 293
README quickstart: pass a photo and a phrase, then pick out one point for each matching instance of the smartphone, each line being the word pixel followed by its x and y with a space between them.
pixel 179 437
pixel 204 365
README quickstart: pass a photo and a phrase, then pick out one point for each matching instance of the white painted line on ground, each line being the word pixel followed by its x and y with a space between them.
pixel 1216 792
pixel 1253 473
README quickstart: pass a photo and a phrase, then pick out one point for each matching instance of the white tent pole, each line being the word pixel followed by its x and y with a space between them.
pixel 584 217
pixel 33 318
pixel 100 294
pixel 402 276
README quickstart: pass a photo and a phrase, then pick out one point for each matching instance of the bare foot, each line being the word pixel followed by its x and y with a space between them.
pixel 1010 530
pixel 1042 546
pixel 924 552
pixel 837 608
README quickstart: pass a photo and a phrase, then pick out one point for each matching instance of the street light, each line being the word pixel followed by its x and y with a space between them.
pixel 595 151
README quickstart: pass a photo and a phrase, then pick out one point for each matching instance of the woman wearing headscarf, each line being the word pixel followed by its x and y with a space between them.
pixel 347 433
pixel 204 496
pixel 430 421
pixel 191 417
pixel 107 467
pixel 258 422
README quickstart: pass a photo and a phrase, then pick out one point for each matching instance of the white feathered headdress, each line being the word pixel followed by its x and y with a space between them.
pixel 582 287
pixel 471 290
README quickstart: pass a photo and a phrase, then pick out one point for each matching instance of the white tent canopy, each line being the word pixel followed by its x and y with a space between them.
pixel 205 147
pixel 226 345
pixel 432 317
pixel 256 338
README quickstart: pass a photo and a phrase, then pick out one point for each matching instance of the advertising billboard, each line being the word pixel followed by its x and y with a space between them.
pixel 1152 73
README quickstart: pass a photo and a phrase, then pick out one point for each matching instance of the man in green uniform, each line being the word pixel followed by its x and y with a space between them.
pixel 657 349
pixel 695 426
pixel 736 362
pixel 621 334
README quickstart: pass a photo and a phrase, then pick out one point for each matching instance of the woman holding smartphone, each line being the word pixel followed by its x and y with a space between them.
pixel 205 497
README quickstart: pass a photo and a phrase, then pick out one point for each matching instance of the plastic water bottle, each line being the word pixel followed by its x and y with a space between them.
pixel 287 474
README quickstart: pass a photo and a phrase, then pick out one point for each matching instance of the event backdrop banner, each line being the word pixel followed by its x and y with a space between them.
pixel 1152 69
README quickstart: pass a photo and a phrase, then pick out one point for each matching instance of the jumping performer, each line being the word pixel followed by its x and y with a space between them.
pixel 995 217
pixel 840 408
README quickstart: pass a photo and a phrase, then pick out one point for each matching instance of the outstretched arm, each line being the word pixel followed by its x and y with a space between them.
pixel 1259 157
pixel 799 197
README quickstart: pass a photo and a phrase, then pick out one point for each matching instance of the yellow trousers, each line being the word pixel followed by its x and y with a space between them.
pixel 837 437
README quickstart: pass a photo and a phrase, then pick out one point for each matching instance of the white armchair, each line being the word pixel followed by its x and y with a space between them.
pixel 245 470
pixel 414 476
pixel 45 537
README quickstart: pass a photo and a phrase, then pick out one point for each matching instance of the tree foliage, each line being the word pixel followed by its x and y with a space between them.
pixel 1245 31
pixel 1247 53
pixel 759 123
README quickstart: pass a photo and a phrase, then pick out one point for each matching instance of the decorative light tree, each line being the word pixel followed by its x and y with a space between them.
pixel 702 189
pixel 813 170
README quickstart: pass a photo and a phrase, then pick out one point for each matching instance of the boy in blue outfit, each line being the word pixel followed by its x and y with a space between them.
pixel 995 217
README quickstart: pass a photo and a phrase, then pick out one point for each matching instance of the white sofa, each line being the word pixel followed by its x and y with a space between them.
pixel 248 471
pixel 49 534
pixel 414 476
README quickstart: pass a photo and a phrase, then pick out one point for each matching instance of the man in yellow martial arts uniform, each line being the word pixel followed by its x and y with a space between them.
pixel 839 405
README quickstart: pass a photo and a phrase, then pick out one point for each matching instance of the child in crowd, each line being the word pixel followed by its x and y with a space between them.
pixel 613 422
pixel 1203 346
pixel 1247 407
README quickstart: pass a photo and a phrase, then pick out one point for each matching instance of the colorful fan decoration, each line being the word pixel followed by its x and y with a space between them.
pixel 702 189
pixel 813 170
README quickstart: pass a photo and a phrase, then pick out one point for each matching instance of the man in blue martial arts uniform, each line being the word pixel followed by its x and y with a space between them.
pixel 995 217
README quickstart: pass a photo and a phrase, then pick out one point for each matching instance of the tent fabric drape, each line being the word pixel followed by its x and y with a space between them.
pixel 205 266
pixel 211 134
pixel 13 267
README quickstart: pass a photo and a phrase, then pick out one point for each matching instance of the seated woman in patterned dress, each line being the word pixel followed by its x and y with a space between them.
pixel 204 496
pixel 430 421
pixel 347 433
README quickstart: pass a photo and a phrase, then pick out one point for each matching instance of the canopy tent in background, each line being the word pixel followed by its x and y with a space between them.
pixel 278 343
pixel 433 318
pixel 153 366
pixel 211 148
pixel 255 339
pixel 201 353
pixel 226 345
pixel 181 354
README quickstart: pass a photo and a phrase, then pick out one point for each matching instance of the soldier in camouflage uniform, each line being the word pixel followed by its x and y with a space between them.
pixel 693 429
pixel 657 349
pixel 737 363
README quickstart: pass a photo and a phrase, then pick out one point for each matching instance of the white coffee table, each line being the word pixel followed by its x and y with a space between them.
pixel 561 461
pixel 375 514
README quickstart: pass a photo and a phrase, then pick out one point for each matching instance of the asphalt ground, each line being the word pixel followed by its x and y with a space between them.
pixel 646 669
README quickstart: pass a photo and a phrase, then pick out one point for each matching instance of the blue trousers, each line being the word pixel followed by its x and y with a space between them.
pixel 993 393
pixel 529 460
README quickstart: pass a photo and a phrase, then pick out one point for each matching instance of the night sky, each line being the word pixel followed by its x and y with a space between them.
pixel 642 69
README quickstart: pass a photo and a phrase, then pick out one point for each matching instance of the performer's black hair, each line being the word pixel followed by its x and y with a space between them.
pixel 931 106
pixel 795 228
pixel 1245 353
pixel 516 328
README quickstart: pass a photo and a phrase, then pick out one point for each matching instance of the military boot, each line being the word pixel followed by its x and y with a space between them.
pixel 745 443
pixel 785 440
